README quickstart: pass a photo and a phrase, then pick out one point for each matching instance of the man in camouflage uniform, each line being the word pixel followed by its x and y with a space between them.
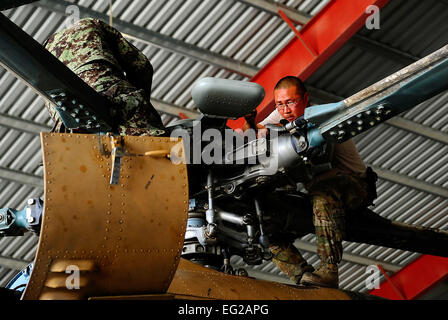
pixel 99 55
pixel 344 188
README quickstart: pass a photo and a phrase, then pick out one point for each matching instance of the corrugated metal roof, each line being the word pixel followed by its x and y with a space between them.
pixel 253 36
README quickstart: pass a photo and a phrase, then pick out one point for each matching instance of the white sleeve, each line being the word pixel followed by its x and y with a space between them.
pixel 273 118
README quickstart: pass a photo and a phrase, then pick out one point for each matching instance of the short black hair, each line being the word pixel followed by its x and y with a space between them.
pixel 291 81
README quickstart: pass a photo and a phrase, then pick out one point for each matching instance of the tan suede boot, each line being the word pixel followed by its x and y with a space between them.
pixel 326 275
pixel 300 271
pixel 288 259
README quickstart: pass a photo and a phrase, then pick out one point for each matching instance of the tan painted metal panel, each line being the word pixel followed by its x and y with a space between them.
pixel 125 238
pixel 193 281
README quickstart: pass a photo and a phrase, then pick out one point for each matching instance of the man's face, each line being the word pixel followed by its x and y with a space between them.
pixel 290 103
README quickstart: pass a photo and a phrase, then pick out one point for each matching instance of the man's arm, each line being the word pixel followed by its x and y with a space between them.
pixel 274 118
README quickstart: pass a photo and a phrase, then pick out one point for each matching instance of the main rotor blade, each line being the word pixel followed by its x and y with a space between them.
pixel 387 98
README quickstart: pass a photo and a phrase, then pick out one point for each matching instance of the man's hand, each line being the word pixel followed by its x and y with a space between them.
pixel 262 131
pixel 250 119
pixel 301 123
pixel 315 151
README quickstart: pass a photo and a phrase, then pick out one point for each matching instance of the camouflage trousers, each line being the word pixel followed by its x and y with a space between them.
pixel 130 107
pixel 331 198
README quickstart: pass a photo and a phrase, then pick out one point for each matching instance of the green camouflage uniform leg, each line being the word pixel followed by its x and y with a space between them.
pixel 332 198
pixel 136 117
pixel 289 260
pixel 329 222
pixel 140 116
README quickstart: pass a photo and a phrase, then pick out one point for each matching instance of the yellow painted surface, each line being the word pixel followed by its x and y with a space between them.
pixel 125 238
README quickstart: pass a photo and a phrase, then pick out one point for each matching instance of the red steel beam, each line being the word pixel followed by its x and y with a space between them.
pixel 325 33
pixel 391 283
pixel 415 279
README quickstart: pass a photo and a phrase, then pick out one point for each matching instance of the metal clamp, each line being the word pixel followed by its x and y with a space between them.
pixel 119 151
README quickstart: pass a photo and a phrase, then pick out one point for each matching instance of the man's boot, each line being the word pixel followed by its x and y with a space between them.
pixel 326 275
pixel 298 271
pixel 289 260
